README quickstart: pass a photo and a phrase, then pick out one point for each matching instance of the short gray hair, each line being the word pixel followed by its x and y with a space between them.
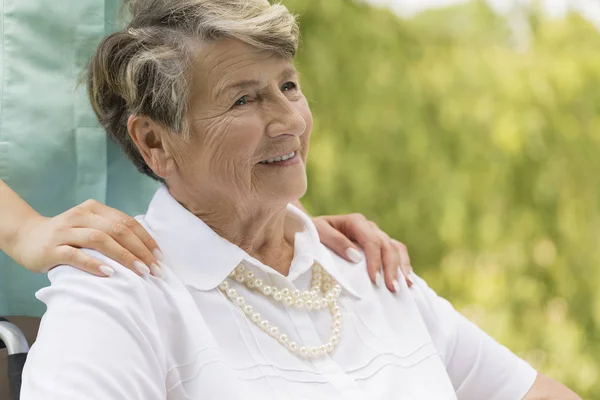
pixel 145 69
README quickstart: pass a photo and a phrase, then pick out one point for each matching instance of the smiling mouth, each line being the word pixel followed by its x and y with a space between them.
pixel 281 158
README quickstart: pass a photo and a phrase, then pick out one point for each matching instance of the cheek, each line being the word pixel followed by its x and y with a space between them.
pixel 304 111
pixel 226 145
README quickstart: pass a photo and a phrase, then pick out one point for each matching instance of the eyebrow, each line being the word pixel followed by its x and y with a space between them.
pixel 287 73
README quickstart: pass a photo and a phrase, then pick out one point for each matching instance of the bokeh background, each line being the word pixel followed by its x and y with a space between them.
pixel 474 138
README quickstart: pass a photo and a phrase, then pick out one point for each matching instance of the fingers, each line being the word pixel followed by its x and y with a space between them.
pixel 385 257
pixel 77 258
pixel 391 261
pixel 137 250
pixel 336 241
pixel 119 217
pixel 405 266
pixel 356 227
pixel 107 245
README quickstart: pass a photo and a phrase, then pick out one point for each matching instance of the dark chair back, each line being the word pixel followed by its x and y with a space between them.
pixel 13 339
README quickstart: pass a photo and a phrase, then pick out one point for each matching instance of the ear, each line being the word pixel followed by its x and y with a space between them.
pixel 151 140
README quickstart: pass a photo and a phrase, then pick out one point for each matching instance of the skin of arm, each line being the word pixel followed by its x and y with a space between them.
pixel 545 388
pixel 14 214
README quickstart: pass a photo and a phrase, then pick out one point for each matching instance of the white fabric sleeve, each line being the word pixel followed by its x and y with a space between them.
pixel 478 366
pixel 98 339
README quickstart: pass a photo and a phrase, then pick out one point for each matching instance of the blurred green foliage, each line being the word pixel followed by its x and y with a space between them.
pixel 481 153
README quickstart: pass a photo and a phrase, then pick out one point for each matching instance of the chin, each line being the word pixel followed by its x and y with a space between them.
pixel 291 191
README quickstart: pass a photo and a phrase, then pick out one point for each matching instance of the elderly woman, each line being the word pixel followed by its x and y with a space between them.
pixel 203 96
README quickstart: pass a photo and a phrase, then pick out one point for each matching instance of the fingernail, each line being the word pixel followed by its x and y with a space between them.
pixel 354 255
pixel 409 282
pixel 378 279
pixel 396 286
pixel 106 270
pixel 156 271
pixel 158 255
pixel 141 267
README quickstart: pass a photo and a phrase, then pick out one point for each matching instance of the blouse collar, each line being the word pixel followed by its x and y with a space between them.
pixel 203 259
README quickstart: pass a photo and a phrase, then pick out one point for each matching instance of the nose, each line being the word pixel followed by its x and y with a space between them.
pixel 284 118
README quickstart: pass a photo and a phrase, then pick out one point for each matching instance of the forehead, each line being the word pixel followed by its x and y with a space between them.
pixel 225 61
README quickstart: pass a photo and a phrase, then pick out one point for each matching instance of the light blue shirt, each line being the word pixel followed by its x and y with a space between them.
pixel 53 152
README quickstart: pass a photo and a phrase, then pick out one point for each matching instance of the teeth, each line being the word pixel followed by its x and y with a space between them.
pixel 288 156
pixel 277 159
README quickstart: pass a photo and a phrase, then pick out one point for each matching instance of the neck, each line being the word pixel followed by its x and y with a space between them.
pixel 256 227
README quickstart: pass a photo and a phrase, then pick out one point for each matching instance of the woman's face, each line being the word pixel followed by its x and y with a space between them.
pixel 246 108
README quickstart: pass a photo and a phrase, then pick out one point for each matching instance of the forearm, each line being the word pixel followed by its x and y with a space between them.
pixel 14 213
pixel 545 388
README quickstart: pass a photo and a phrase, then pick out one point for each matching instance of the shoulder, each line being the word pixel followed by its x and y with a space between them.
pixel 125 292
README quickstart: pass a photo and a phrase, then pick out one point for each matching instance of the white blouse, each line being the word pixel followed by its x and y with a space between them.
pixel 179 337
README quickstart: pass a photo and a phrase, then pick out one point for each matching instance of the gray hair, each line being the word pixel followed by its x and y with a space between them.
pixel 145 69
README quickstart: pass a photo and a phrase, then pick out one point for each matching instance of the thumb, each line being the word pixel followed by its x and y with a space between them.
pixel 338 242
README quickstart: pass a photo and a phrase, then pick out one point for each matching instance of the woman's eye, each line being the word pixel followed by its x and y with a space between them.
pixel 241 101
pixel 288 86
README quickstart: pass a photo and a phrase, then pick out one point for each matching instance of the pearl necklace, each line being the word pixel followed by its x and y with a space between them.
pixel 324 292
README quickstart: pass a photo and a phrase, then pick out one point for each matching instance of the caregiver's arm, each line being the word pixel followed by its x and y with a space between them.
pixel 478 366
pixel 40 243
pixel 14 211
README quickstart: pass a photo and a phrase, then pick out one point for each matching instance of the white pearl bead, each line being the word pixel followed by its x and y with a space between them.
pixel 324 292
